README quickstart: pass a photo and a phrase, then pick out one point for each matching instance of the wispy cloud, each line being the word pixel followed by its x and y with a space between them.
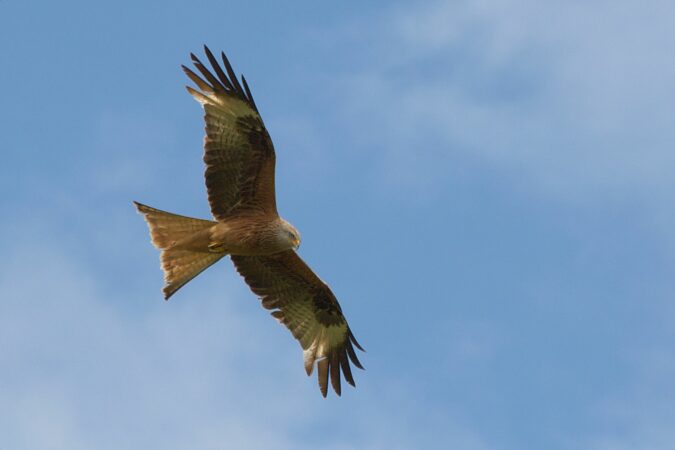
pixel 89 366
pixel 79 362
pixel 471 338
pixel 570 96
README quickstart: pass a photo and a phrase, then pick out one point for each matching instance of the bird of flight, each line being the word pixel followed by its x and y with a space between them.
pixel 240 159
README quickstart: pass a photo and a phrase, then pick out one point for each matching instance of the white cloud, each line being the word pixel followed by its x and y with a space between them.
pixel 572 96
pixel 85 373
pixel 89 367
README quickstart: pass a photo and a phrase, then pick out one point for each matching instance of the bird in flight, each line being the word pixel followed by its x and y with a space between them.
pixel 240 160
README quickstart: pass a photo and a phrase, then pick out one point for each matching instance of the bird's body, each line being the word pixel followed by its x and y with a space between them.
pixel 240 161
pixel 247 235
pixel 253 235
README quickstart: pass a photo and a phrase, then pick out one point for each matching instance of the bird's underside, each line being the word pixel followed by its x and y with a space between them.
pixel 240 162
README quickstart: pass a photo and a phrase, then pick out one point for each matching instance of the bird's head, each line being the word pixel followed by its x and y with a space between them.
pixel 289 235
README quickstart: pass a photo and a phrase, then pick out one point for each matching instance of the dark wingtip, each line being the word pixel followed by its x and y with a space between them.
pixel 335 373
pixel 232 74
pixel 355 342
pixel 223 80
pixel 322 375
pixel 346 370
pixel 353 357
pixel 248 93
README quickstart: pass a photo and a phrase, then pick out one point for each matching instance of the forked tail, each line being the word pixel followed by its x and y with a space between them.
pixel 179 265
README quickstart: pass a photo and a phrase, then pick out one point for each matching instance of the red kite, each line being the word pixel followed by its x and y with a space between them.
pixel 240 159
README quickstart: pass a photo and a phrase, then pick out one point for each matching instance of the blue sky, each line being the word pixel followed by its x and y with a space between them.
pixel 487 186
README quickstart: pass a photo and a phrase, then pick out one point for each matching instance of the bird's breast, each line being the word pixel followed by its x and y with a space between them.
pixel 246 237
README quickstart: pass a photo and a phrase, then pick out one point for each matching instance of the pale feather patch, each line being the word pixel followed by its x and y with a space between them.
pixel 321 342
pixel 309 357
pixel 231 106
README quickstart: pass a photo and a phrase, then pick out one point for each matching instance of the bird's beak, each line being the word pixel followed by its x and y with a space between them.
pixel 296 243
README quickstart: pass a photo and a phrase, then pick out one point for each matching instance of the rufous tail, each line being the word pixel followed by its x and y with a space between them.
pixel 179 265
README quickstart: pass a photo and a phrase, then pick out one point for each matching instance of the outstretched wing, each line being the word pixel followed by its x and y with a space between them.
pixel 238 151
pixel 307 306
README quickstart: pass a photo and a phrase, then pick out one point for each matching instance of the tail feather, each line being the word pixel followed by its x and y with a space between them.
pixel 167 228
pixel 180 265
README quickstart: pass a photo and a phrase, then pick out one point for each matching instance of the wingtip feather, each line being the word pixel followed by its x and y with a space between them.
pixel 355 342
pixel 309 357
pixel 353 357
pixel 201 98
pixel 335 373
pixel 346 370
pixel 219 71
pixel 322 370
pixel 232 74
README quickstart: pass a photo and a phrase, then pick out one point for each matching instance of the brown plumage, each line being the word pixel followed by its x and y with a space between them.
pixel 240 160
